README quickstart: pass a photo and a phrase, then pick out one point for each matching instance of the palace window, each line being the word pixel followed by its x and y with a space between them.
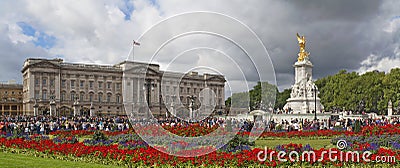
pixel 108 98
pixel 62 96
pixel 63 83
pixel 100 97
pixel 72 96
pixel 91 84
pixel 108 85
pixel 44 95
pixel 36 94
pixel 100 85
pixel 81 96
pixel 44 82
pixel 36 82
pixel 51 82
pixel 72 83
pixel 118 99
pixel 82 84
pixel 91 97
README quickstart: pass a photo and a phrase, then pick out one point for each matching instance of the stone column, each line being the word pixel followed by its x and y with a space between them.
pixel 76 108
pixel 92 113
pixel 173 109
pixel 133 114
pixel 52 108
pixel 138 90
pixel 191 110
pixel 35 109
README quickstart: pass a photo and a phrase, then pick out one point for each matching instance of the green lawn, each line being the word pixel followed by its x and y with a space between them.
pixel 20 160
pixel 315 143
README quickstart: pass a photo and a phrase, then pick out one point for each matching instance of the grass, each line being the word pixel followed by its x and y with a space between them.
pixel 21 160
pixel 314 143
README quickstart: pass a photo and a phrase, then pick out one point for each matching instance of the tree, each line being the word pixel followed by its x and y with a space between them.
pixel 281 98
pixel 391 88
pixel 346 90
pixel 262 92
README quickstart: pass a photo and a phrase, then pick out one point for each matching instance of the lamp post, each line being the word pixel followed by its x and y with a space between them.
pixel 53 110
pixel 173 106
pixel 315 101
pixel 160 101
pixel 149 85
pixel 35 108
pixel 191 106
pixel 76 107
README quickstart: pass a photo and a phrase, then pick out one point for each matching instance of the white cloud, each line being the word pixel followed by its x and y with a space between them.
pixel 16 36
pixel 385 64
pixel 393 25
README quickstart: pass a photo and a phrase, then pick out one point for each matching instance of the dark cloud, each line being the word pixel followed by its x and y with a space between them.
pixel 337 10
pixel 340 34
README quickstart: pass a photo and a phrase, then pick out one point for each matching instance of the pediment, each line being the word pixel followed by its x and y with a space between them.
pixel 216 78
pixel 46 64
pixel 141 70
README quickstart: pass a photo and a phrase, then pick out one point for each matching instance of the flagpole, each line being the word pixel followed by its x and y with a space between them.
pixel 133 52
pixel 133 49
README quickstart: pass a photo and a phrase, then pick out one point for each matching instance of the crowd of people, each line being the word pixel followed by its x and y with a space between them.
pixel 21 124
pixel 46 124
pixel 340 124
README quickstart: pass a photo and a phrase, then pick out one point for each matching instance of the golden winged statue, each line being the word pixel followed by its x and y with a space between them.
pixel 303 54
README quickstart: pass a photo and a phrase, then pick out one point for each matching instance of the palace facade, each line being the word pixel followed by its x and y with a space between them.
pixel 101 87
pixel 10 99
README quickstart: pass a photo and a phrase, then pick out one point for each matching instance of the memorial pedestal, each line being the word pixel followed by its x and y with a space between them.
pixel 302 98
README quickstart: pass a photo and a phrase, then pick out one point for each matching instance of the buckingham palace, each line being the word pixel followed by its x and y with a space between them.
pixel 100 88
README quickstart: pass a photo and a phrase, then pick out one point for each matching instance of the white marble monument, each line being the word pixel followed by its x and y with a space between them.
pixel 304 93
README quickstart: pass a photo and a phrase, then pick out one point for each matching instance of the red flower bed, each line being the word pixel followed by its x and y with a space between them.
pixel 72 133
pixel 79 133
pixel 149 156
pixel 388 129
pixel 192 130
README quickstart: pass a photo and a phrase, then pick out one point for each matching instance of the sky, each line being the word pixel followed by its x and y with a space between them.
pixel 357 35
